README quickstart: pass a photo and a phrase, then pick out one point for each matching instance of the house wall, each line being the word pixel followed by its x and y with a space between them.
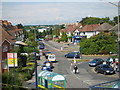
pixel 88 34
pixel 4 55
pixel 76 33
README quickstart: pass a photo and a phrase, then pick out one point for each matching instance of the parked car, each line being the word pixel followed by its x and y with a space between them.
pixel 48 64
pixel 41 47
pixel 52 58
pixel 44 67
pixel 104 69
pixel 95 62
pixel 47 53
pixel 72 55
pixel 44 51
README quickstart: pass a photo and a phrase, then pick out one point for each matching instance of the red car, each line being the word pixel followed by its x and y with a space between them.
pixel 44 51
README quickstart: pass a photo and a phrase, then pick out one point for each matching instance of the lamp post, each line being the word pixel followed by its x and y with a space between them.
pixel 118 33
pixel 24 44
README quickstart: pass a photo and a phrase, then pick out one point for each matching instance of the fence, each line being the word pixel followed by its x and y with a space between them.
pixel 111 85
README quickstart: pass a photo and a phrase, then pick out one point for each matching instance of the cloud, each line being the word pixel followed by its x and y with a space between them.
pixel 52 13
pixel 59 0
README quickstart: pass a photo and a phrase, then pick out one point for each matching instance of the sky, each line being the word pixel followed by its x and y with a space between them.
pixel 54 12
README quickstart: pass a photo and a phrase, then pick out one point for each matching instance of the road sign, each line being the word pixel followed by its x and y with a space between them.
pixel 12 59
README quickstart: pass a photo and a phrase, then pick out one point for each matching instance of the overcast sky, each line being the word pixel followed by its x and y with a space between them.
pixel 54 12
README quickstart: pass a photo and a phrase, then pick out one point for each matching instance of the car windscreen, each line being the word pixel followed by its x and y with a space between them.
pixel 106 66
pixel 51 57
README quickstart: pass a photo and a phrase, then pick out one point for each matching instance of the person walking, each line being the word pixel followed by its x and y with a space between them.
pixel 75 69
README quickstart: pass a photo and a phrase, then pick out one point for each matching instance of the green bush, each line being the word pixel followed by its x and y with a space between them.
pixel 99 44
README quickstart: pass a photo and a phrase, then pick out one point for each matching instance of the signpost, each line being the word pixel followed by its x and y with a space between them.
pixel 12 59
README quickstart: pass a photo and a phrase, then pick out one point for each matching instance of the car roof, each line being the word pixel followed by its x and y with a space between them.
pixel 97 59
pixel 47 62
pixel 103 65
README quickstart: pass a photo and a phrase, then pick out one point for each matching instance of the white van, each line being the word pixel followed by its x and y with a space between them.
pixel 51 57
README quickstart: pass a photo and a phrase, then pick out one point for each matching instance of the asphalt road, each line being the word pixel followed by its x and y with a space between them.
pixel 86 76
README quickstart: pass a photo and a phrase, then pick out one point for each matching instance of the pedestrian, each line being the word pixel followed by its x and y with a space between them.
pixel 75 69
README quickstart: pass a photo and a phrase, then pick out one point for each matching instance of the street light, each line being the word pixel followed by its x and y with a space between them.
pixel 24 44
pixel 118 33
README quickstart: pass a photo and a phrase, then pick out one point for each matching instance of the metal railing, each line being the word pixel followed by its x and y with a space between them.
pixel 111 85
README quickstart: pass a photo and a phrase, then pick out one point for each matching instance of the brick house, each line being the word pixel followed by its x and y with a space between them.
pixel 9 34
pixel 5 47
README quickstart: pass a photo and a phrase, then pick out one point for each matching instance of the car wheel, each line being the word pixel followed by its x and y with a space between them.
pixel 104 73
pixel 66 56
pixel 96 71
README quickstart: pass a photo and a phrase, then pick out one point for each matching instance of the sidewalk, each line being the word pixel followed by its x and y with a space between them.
pixel 65 46
pixel 70 48
pixel 31 83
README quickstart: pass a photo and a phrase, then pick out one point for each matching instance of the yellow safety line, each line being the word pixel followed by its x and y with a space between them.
pixel 59 87
pixel 42 87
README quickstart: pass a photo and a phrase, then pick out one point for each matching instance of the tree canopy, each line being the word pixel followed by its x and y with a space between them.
pixel 100 44
pixel 96 20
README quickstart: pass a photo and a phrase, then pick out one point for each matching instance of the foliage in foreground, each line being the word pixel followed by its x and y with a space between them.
pixel 15 78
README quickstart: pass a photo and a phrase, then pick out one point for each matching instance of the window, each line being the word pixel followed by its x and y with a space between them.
pixel 4 48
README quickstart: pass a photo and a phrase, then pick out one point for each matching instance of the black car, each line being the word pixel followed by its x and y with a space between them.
pixel 95 62
pixel 72 55
pixel 104 69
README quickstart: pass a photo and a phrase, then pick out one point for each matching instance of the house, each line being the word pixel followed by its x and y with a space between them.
pixel 16 33
pixel 83 32
pixel 88 30
pixel 71 30
pixel 105 27
pixel 5 47
pixel 78 31
pixel 8 35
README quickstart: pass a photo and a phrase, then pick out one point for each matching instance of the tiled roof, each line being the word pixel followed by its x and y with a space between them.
pixel 8 31
pixel 115 28
pixel 5 36
pixel 89 27
pixel 104 27
pixel 71 27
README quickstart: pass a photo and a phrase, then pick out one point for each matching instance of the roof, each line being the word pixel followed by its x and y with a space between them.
pixel 8 31
pixel 103 27
pixel 71 27
pixel 115 28
pixel 89 27
pixel 51 76
pixel 5 36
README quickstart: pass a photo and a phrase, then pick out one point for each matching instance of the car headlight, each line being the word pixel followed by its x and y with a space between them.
pixel 92 63
pixel 107 71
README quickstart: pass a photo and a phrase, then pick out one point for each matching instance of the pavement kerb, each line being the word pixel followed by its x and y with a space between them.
pixel 68 51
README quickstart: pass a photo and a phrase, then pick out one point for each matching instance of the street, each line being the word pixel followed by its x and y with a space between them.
pixel 64 66
pixel 86 76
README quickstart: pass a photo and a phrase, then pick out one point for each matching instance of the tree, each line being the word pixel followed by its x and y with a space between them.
pixel 116 19
pixel 20 26
pixel 64 37
pixel 100 44
pixel 96 20
pixel 56 31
